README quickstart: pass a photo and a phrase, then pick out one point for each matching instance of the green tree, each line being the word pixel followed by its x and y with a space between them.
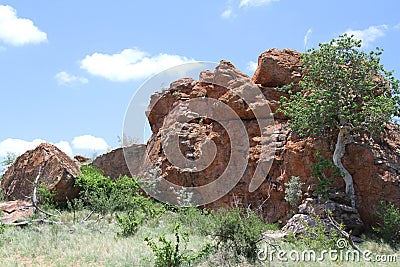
pixel 8 160
pixel 344 91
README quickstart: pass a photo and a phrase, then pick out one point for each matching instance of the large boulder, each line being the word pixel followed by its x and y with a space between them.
pixel 113 164
pixel 277 68
pixel 374 163
pixel 58 172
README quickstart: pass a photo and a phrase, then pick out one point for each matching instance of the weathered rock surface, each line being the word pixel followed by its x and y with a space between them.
pixel 113 163
pixel 15 210
pixel 342 214
pixel 277 68
pixel 298 223
pixel 312 211
pixel 374 163
pixel 58 173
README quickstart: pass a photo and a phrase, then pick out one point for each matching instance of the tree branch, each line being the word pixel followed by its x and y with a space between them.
pixel 342 232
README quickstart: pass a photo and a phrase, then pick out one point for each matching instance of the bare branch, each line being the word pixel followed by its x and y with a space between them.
pixel 87 217
pixel 343 233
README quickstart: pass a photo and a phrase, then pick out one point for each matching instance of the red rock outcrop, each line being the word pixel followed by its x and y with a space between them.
pixel 374 163
pixel 113 163
pixel 58 172
pixel 277 68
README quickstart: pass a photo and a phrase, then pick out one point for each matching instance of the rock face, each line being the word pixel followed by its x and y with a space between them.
pixel 58 172
pixel 113 163
pixel 374 163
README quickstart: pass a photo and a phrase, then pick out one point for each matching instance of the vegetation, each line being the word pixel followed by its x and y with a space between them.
pixel 175 254
pixel 45 196
pixel 105 195
pixel 293 193
pixel 344 91
pixel 388 227
pixel 324 171
pixel 5 164
pixel 142 232
pixel 238 233
pixel 317 237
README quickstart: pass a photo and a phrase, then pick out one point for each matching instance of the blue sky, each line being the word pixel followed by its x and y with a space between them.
pixel 68 69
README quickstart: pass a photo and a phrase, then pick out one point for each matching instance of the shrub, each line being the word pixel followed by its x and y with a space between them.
pixel 142 208
pixel 238 232
pixel 388 227
pixel 293 193
pixel 104 195
pixel 129 223
pixel 45 196
pixel 173 254
pixel 316 237
pixel 196 220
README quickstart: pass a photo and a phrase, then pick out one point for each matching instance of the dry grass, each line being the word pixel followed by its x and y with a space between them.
pixel 82 244
pixel 94 243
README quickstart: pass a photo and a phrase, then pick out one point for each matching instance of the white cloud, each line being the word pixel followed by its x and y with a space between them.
pixel 64 78
pixel 307 37
pixel 228 13
pixel 129 64
pixel 65 147
pixel 90 142
pixel 18 146
pixel 396 27
pixel 255 3
pixel 251 66
pixel 369 35
pixel 18 31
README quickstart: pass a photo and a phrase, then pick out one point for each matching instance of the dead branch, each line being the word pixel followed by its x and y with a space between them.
pixel 88 217
pixel 268 197
pixel 342 232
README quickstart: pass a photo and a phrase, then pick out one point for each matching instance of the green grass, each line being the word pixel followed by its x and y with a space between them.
pixel 95 243
pixel 83 244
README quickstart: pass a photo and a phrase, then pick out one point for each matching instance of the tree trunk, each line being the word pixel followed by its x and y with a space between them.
pixel 340 149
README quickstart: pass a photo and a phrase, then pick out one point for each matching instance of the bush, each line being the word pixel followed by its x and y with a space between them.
pixel 324 171
pixel 143 208
pixel 238 232
pixel 104 195
pixel 45 196
pixel 173 254
pixel 293 193
pixel 196 220
pixel 316 237
pixel 388 227
pixel 129 223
